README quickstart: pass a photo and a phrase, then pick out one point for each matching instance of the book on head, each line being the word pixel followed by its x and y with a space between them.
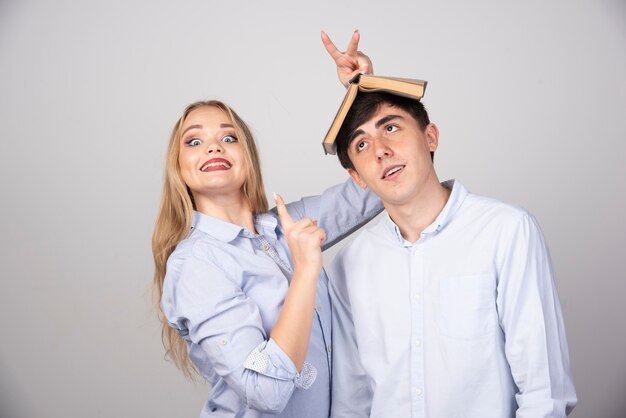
pixel 411 88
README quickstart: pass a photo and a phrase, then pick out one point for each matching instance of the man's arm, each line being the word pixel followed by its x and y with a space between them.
pixel 530 315
pixel 352 392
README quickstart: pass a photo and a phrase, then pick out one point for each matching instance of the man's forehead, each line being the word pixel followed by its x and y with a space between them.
pixel 384 111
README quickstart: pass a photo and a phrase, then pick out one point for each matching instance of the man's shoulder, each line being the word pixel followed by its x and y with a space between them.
pixel 493 209
pixel 370 237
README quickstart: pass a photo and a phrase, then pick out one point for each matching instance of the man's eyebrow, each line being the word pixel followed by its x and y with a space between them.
pixel 386 119
pixel 222 125
pixel 377 125
pixel 354 135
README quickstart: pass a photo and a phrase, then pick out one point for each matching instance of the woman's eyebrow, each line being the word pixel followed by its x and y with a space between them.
pixel 192 127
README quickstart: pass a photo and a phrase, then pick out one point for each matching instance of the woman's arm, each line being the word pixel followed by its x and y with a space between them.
pixel 293 327
pixel 339 210
pixel 204 300
pixel 344 208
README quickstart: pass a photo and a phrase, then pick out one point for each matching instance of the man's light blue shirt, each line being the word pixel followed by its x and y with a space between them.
pixel 224 290
pixel 465 322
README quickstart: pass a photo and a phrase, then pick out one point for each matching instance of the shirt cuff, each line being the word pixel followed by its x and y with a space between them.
pixel 260 361
pixel 306 377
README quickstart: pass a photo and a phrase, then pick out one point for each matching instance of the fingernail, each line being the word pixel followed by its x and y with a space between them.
pixel 275 196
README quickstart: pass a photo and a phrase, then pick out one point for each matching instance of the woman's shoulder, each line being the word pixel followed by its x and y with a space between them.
pixel 193 260
pixel 196 246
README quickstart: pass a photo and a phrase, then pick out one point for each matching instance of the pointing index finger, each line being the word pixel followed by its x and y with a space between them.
pixel 285 219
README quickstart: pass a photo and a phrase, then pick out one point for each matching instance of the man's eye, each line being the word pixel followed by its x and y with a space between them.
pixel 360 146
pixel 194 142
pixel 391 128
pixel 229 138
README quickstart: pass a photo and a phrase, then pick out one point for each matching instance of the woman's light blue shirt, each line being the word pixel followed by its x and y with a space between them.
pixel 224 290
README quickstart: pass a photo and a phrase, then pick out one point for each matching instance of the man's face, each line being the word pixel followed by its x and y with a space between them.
pixel 391 156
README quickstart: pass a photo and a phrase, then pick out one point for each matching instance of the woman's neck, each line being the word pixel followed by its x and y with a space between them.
pixel 234 209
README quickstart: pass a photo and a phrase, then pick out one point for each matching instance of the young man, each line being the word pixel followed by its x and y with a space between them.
pixel 447 307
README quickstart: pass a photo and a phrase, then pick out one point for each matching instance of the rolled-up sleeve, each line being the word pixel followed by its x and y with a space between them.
pixel 263 359
pixel 217 315
pixel 530 315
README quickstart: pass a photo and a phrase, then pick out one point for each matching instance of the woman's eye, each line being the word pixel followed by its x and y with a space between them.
pixel 194 142
pixel 391 128
pixel 229 138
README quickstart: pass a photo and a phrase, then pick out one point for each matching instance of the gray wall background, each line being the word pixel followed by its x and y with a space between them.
pixel 529 98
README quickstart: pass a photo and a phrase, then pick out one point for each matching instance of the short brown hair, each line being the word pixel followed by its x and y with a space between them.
pixel 363 109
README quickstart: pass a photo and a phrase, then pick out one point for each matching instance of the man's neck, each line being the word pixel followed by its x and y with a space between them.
pixel 415 216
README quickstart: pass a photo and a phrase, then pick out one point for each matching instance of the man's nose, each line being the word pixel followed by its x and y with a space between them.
pixel 381 148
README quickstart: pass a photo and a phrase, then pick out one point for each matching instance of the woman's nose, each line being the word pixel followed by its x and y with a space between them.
pixel 214 147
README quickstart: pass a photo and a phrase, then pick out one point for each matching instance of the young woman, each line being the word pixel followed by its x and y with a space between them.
pixel 242 294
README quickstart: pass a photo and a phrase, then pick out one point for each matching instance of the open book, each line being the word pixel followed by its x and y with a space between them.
pixel 411 88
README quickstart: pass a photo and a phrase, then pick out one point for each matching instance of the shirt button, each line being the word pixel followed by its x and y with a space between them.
pixel 418 392
pixel 416 296
pixel 266 247
pixel 330 349
pixel 318 307
pixel 418 343
pixel 223 341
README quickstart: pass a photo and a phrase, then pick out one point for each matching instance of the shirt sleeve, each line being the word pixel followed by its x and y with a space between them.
pixel 351 386
pixel 339 210
pixel 531 318
pixel 216 314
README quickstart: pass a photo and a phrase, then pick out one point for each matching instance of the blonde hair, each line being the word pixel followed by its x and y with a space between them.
pixel 174 219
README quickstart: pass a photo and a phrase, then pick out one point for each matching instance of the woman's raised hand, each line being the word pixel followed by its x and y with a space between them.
pixel 351 62
pixel 305 239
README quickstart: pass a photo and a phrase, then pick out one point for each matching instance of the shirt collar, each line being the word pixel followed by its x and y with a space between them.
pixel 457 196
pixel 265 223
pixel 222 230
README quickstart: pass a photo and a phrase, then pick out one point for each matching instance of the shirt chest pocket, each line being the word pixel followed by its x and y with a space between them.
pixel 467 306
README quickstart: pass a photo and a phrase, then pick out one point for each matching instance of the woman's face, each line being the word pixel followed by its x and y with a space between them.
pixel 211 158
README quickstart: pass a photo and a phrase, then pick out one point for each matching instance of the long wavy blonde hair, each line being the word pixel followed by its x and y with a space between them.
pixel 173 221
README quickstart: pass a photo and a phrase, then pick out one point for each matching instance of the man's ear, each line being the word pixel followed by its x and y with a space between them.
pixel 357 179
pixel 432 136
